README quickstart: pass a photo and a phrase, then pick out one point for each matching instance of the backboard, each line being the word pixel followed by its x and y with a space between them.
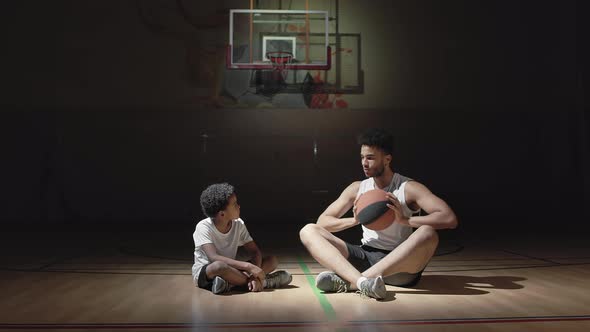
pixel 255 32
pixel 324 60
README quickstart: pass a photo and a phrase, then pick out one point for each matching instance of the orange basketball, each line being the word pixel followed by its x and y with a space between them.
pixel 372 211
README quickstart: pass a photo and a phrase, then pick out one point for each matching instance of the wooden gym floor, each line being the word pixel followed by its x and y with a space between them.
pixel 128 281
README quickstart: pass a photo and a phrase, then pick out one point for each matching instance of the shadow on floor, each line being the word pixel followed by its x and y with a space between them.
pixel 462 285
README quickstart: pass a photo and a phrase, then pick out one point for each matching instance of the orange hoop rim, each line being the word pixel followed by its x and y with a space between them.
pixel 280 58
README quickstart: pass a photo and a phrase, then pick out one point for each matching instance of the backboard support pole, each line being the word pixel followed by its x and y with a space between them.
pixel 307 32
pixel 251 30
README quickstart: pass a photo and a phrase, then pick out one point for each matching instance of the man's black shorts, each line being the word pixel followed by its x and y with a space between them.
pixel 363 257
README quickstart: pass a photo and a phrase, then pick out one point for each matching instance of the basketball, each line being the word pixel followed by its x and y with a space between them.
pixel 372 211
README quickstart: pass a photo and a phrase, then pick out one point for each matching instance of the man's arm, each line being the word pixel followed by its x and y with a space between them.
pixel 211 251
pixel 440 215
pixel 330 218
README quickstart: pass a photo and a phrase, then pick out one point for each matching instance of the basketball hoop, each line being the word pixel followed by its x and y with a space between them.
pixel 280 60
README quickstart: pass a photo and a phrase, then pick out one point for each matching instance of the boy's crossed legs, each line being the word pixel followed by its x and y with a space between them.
pixel 221 277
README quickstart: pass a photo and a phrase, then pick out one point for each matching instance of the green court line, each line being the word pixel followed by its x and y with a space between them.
pixel 328 310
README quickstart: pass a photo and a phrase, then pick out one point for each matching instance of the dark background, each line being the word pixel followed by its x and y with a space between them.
pixel 489 111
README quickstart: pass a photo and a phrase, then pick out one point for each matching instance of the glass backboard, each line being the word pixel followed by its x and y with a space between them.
pixel 255 32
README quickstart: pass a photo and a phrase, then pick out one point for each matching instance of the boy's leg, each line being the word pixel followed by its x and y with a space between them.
pixel 275 279
pixel 411 256
pixel 232 275
pixel 330 251
pixel 269 264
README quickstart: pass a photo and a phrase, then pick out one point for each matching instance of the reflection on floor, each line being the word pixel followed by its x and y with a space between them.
pixel 142 281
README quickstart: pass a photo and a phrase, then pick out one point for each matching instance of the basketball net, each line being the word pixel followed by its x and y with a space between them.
pixel 279 61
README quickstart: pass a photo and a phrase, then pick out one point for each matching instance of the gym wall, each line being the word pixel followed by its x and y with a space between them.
pixel 107 121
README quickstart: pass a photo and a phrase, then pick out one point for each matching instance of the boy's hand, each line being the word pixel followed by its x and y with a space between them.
pixel 255 285
pixel 256 272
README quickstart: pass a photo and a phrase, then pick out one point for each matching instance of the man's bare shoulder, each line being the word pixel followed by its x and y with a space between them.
pixel 355 185
pixel 415 191
pixel 416 188
pixel 352 190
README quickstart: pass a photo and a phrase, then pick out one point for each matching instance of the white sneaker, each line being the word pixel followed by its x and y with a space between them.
pixel 328 281
pixel 373 287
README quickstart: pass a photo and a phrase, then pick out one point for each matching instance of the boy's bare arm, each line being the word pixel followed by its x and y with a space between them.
pixel 254 252
pixel 254 284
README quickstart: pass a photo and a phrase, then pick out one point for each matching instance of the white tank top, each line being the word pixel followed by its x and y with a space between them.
pixel 392 236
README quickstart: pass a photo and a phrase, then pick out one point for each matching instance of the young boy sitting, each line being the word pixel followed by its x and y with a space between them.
pixel 217 239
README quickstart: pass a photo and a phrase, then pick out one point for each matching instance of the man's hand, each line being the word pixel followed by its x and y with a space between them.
pixel 354 207
pixel 396 206
pixel 354 210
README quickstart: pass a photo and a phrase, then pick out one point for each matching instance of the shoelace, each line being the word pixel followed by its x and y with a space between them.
pixel 366 292
pixel 363 293
pixel 341 286
pixel 273 280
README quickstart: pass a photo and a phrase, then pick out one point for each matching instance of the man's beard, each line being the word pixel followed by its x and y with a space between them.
pixel 379 172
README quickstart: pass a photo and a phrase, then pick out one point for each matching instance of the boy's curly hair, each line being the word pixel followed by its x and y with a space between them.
pixel 215 198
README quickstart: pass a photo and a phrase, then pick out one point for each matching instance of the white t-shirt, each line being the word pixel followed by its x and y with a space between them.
pixel 226 244
pixel 392 236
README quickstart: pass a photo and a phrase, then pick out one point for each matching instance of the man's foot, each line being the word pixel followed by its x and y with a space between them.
pixel 373 287
pixel 331 282
pixel 220 286
pixel 278 279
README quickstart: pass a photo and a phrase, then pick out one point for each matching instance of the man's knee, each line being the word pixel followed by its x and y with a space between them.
pixel 307 232
pixel 428 235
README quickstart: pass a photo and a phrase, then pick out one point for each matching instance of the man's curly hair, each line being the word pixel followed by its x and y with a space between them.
pixel 215 198
pixel 377 137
